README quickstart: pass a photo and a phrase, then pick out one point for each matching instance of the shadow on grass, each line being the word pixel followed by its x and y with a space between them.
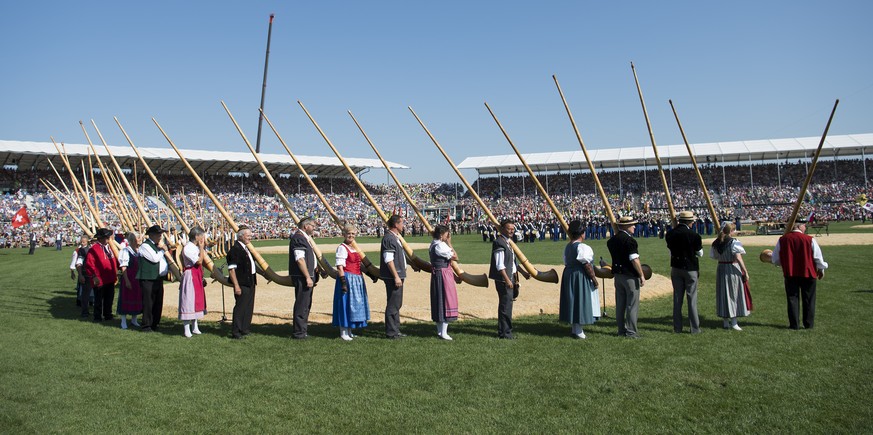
pixel 863 291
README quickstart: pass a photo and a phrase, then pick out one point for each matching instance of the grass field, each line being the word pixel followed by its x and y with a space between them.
pixel 61 374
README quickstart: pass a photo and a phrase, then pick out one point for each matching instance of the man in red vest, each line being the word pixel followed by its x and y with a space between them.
pixel 802 264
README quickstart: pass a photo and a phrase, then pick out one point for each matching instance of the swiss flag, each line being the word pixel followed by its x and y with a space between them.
pixel 20 218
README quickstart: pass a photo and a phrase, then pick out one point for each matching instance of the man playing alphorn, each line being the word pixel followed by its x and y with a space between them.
pixel 685 246
pixel 628 272
pixel 503 271
pixel 302 267
pixel 802 264
pixel 392 270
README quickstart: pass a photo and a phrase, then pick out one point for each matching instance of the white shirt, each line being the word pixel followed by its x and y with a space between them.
pixel 251 259
pixel 190 254
pixel 817 257
pixel 736 248
pixel 342 255
pixel 499 259
pixel 124 256
pixel 145 251
pixel 442 249
pixel 75 259
pixel 584 254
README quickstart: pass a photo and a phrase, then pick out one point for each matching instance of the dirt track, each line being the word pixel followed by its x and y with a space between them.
pixel 273 302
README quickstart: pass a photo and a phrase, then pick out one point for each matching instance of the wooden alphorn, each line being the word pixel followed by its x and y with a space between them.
pixel 369 268
pixel 208 263
pixel 655 149
pixel 325 266
pixel 417 263
pixel 766 255
pixel 265 268
pixel 697 171
pixel 475 280
pixel 549 276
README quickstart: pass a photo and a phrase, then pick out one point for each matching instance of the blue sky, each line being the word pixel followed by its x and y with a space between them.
pixel 735 70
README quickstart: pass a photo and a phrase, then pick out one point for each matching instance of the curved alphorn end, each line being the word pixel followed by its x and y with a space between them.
pixel 271 275
pixel 475 280
pixel 216 275
pixel 766 256
pixel 549 276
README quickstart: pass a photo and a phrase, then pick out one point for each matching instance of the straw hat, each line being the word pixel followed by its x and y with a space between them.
pixel 626 220
pixel 686 216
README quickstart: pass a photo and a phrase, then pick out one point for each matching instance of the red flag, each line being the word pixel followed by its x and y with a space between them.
pixel 20 218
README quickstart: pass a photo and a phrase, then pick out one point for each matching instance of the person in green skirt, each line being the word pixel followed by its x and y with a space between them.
pixel 580 303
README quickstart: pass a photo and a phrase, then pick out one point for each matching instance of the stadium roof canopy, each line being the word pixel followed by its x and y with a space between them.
pixel 28 155
pixel 636 157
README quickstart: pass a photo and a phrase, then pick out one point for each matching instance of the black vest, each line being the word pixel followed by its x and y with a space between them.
pixel 621 246
pixel 684 244
pixel 501 244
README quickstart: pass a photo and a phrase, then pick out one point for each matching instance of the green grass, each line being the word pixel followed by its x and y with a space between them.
pixel 62 374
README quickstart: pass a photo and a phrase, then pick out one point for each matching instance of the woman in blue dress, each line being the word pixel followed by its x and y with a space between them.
pixel 580 303
pixel 351 309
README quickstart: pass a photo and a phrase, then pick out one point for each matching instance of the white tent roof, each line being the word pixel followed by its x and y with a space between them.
pixel 632 157
pixel 165 160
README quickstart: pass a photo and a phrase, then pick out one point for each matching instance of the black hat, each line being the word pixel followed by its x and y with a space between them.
pixel 575 227
pixel 155 229
pixel 103 233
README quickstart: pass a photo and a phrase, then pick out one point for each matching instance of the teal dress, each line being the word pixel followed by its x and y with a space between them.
pixel 580 302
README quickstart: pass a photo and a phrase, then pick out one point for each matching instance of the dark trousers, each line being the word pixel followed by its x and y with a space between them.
pixel 302 305
pixel 627 304
pixel 685 286
pixel 32 248
pixel 805 288
pixel 152 302
pixel 392 307
pixel 84 293
pixel 103 296
pixel 243 308
pixel 504 309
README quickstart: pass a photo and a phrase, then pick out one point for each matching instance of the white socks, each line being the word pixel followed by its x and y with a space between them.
pixel 133 320
pixel 577 330
pixel 187 328
pixel 124 321
pixel 346 334
pixel 732 324
pixel 443 330
pixel 196 329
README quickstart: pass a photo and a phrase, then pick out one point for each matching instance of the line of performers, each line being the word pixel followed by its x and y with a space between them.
pixel 142 267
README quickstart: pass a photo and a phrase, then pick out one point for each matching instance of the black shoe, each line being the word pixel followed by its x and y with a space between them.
pixel 84 314
pixel 299 337
pixel 109 318
pixel 394 337
pixel 98 319
pixel 146 330
pixel 237 337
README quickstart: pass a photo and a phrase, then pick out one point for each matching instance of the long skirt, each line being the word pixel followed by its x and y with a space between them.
pixel 580 302
pixel 443 296
pixel 129 298
pixel 192 295
pixel 352 309
pixel 730 297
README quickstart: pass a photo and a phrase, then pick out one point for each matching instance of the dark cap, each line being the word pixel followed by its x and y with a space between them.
pixel 103 233
pixel 155 229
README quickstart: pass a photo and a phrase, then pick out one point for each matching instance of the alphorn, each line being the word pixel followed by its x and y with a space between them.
pixel 655 149
pixel 325 266
pixel 647 270
pixel 56 194
pixel 697 170
pixel 475 280
pixel 208 263
pixel 121 212
pixel 417 263
pixel 549 276
pixel 600 272
pixel 173 265
pixel 265 268
pixel 372 270
pixel 767 254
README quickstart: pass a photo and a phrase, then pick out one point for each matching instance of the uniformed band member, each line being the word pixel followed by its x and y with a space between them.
pixel 628 272
pixel 685 246
pixel 153 257
pixel 302 267
pixel 802 264
pixel 241 270
pixel 503 271
pixel 392 270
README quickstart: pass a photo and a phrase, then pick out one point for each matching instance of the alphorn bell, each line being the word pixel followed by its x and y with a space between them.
pixel 208 264
pixel 767 255
pixel 607 270
pixel 549 276
pixel 325 266
pixel 265 268
pixel 599 272
pixel 370 269
pixel 697 170
pixel 414 261
pixel 655 149
pixel 173 265
pixel 475 280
